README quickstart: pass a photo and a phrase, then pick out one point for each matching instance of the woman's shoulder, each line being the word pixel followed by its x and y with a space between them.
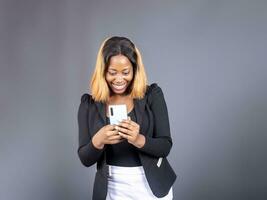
pixel 86 98
pixel 153 88
pixel 154 93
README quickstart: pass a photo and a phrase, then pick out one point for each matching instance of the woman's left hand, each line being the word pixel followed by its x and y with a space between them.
pixel 129 130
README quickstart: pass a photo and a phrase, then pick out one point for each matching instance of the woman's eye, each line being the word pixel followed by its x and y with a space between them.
pixel 125 73
pixel 112 73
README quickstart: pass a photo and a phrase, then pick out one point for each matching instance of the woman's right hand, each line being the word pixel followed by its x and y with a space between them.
pixel 106 135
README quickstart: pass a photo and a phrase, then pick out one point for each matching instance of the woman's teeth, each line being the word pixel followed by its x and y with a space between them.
pixel 119 87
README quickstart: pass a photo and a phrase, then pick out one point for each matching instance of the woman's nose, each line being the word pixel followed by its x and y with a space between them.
pixel 119 78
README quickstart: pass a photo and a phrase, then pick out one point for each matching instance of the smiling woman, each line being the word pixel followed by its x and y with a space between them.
pixel 131 156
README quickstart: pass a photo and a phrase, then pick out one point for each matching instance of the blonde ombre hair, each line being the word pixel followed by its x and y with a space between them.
pixel 111 47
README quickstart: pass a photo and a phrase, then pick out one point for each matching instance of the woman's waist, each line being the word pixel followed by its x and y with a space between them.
pixel 125 170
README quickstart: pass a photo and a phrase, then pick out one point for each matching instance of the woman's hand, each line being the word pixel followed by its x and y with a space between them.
pixel 106 135
pixel 129 130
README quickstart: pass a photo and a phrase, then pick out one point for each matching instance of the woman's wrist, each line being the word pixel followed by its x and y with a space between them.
pixel 140 142
pixel 96 143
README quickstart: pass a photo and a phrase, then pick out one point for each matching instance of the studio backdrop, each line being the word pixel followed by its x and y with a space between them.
pixel 209 58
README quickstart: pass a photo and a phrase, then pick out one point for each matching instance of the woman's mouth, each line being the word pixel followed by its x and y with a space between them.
pixel 119 87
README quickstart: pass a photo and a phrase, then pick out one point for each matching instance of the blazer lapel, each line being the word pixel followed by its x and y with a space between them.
pixel 139 105
pixel 101 110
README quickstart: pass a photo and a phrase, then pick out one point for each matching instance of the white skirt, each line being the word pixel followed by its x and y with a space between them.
pixel 130 183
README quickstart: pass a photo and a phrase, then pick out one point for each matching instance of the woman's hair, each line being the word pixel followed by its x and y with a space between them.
pixel 111 47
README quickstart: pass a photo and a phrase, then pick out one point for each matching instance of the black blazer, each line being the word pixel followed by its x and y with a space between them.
pixel 152 116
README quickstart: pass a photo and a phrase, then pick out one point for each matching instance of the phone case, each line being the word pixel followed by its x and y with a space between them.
pixel 117 113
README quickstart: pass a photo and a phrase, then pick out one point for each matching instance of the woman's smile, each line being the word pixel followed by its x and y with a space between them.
pixel 119 87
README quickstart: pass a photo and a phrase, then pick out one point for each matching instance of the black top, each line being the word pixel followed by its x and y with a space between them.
pixel 123 153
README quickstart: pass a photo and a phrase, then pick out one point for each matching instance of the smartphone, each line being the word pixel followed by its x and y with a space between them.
pixel 117 113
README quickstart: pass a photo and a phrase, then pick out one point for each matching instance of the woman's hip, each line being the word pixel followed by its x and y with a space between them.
pixel 130 183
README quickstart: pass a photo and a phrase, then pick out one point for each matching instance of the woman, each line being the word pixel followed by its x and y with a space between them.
pixel 131 156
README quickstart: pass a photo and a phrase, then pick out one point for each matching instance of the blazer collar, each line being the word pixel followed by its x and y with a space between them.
pixel 139 106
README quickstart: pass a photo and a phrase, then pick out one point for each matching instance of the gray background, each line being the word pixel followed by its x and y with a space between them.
pixel 209 57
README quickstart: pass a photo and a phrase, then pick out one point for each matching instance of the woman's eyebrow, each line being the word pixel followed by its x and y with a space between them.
pixel 125 68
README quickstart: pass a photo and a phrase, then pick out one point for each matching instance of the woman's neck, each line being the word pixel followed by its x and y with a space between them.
pixel 119 98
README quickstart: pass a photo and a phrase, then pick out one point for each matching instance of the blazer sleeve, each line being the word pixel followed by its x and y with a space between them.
pixel 88 154
pixel 159 145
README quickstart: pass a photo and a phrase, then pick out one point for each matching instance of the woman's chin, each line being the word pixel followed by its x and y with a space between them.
pixel 119 92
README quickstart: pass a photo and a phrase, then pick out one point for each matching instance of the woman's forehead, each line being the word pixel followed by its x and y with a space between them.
pixel 119 62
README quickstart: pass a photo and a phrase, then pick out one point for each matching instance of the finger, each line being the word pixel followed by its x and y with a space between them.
pixel 110 127
pixel 125 131
pixel 115 137
pixel 116 141
pixel 125 125
pixel 110 133
pixel 132 123
pixel 127 137
pixel 126 121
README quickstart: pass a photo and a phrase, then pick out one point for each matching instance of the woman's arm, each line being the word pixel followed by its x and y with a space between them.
pixel 160 144
pixel 87 152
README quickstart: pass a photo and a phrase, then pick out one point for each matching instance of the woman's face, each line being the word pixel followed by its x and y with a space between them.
pixel 119 74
